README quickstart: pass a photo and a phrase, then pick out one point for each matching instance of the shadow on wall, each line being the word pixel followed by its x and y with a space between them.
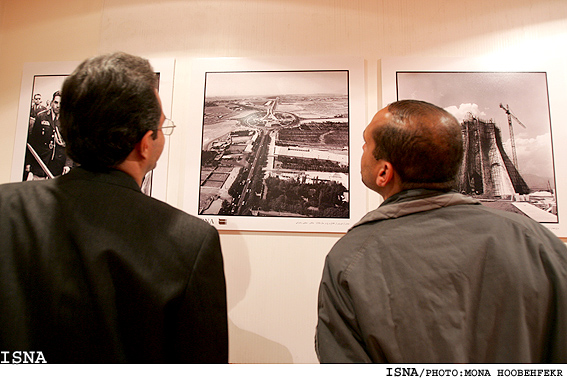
pixel 246 346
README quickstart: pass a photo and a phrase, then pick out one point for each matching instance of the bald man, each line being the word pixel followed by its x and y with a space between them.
pixel 432 276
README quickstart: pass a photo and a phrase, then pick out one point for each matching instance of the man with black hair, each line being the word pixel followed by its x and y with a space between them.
pixel 91 269
pixel 432 276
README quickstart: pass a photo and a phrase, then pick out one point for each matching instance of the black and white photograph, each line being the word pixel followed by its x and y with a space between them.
pixel 45 148
pixel 276 147
pixel 275 144
pixel 507 135
pixel 39 152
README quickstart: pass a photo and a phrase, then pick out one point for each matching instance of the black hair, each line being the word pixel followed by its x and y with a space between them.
pixel 107 105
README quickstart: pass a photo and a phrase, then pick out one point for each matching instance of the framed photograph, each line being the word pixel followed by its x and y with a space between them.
pixel 39 151
pixel 510 115
pixel 280 144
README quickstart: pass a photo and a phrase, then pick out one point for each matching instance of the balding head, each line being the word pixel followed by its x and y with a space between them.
pixel 423 143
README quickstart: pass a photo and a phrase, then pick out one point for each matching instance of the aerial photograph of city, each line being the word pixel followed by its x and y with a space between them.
pixel 275 144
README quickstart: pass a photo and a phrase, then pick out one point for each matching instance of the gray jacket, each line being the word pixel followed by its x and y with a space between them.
pixel 431 277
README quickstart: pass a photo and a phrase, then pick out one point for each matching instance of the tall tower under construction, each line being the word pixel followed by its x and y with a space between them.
pixel 487 171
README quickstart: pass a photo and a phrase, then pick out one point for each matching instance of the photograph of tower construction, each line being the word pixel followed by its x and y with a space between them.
pixel 275 144
pixel 505 122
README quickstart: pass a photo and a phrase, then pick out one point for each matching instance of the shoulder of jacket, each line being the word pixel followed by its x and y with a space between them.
pixel 350 248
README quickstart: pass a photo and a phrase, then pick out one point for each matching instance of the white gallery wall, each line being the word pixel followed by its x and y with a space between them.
pixel 272 278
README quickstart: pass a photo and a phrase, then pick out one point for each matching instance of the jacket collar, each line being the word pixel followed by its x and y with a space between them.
pixel 112 176
pixel 413 201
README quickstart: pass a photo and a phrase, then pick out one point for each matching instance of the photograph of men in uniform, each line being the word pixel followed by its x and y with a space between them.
pixel 45 156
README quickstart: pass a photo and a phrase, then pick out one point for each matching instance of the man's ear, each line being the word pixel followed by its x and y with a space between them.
pixel 143 146
pixel 385 173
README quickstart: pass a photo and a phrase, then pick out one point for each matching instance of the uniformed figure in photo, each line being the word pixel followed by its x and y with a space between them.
pixel 35 108
pixel 45 155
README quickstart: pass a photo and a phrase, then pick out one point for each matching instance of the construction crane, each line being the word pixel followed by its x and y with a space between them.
pixel 510 117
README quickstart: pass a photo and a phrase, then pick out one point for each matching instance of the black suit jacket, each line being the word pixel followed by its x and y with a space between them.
pixel 93 270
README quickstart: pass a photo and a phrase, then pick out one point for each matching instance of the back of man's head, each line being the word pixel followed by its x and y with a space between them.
pixel 423 143
pixel 107 105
